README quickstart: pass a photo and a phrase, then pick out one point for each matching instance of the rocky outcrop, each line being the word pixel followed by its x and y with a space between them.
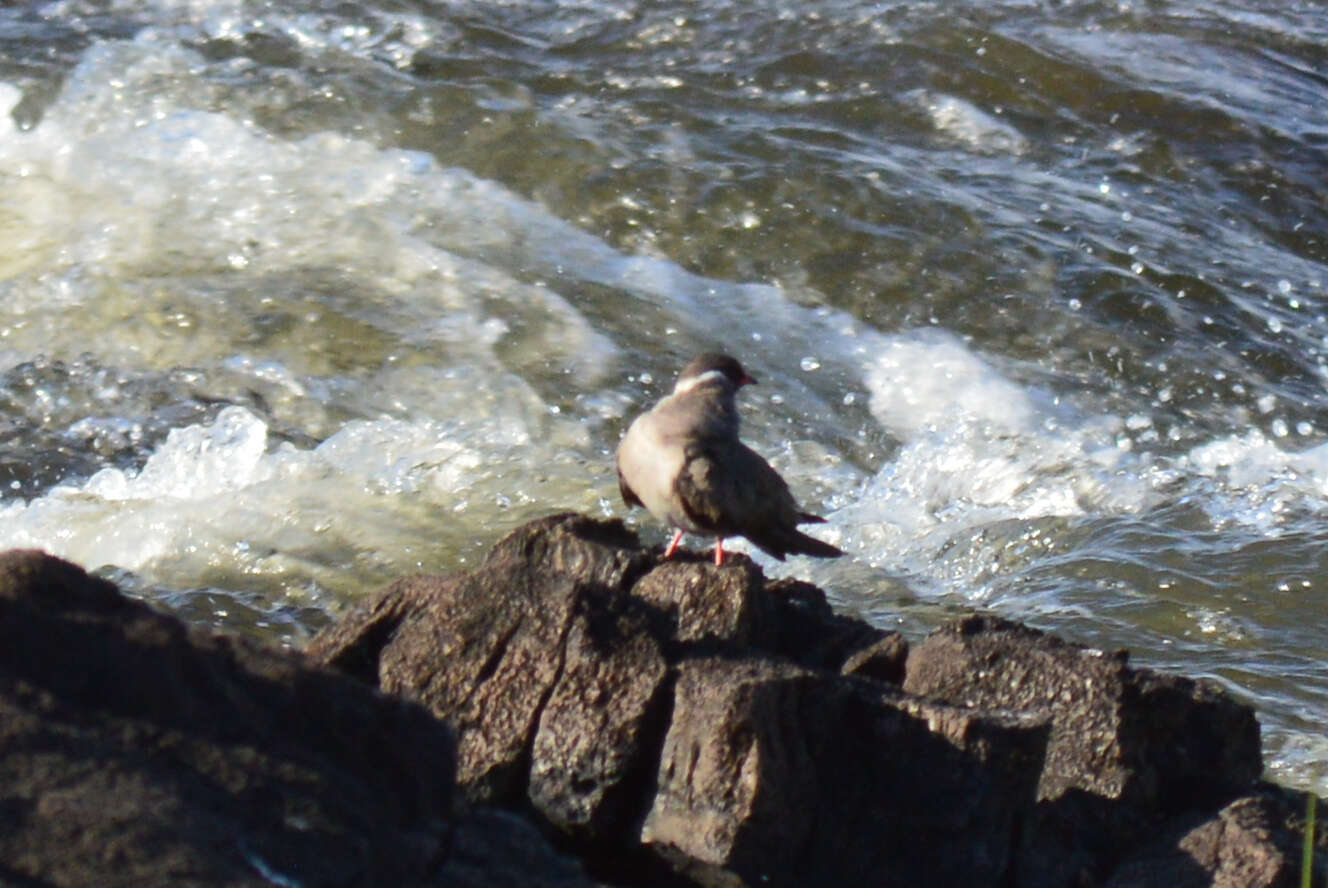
pixel 1129 748
pixel 137 751
pixel 587 679
pixel 700 721
pixel 601 710
pixel 1254 842
pixel 786 776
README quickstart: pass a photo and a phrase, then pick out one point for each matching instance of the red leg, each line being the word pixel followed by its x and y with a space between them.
pixel 673 546
pixel 719 551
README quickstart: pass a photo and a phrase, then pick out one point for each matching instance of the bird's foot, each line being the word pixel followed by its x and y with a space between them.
pixel 719 551
pixel 673 546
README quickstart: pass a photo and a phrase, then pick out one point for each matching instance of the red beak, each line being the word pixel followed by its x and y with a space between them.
pixel 746 380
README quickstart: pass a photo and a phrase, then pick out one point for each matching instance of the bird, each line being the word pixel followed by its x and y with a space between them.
pixel 683 461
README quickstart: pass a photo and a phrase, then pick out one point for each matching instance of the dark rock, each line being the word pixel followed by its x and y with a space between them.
pixel 493 848
pixel 593 755
pixel 501 664
pixel 540 661
pixel 654 712
pixel 485 650
pixel 809 632
pixel 647 712
pixel 704 604
pixel 707 608
pixel 882 660
pixel 782 776
pixel 137 750
pixel 1128 748
pixel 1254 842
pixel 556 663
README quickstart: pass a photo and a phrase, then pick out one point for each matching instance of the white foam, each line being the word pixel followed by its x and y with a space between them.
pixel 978 450
pixel 220 496
pixel 126 178
pixel 964 122
pixel 1258 484
pixel 979 453
pixel 927 380
pixel 129 519
pixel 195 463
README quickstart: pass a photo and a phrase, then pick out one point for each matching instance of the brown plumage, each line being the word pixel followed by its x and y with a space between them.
pixel 684 463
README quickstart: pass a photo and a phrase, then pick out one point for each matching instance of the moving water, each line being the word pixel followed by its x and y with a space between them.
pixel 297 298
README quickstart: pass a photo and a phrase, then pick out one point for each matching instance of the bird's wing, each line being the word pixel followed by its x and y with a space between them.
pixel 726 488
pixel 628 495
pixel 698 492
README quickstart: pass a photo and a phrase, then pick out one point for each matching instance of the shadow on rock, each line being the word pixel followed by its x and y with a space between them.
pixel 137 751
pixel 672 713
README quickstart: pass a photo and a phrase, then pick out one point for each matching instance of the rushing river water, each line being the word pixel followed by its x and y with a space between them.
pixel 298 297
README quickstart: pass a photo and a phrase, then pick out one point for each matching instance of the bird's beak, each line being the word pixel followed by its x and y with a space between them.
pixel 746 380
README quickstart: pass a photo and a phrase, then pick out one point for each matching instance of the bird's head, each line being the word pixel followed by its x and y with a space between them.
pixel 713 366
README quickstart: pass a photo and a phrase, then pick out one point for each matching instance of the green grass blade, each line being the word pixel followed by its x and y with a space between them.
pixel 1307 856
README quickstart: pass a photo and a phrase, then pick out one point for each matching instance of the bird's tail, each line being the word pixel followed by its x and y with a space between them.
pixel 801 544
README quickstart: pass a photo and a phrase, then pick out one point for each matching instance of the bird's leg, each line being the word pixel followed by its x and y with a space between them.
pixel 673 546
pixel 719 551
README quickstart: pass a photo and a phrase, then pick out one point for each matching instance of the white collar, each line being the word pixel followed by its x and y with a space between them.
pixel 686 385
